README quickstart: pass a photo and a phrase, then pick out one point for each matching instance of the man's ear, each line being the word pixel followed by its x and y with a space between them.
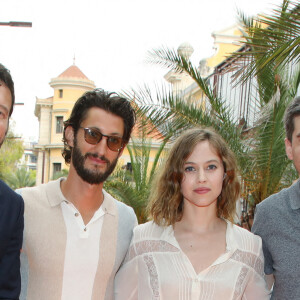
pixel 69 135
pixel 288 148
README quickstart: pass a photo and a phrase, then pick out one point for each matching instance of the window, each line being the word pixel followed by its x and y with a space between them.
pixel 56 168
pixel 33 159
pixel 61 92
pixel 59 124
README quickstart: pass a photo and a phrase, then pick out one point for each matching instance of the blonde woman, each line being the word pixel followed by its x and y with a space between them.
pixel 191 249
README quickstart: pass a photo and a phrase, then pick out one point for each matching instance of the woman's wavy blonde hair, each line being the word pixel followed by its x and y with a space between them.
pixel 166 201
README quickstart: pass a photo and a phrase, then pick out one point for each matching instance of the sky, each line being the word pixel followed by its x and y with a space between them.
pixel 109 40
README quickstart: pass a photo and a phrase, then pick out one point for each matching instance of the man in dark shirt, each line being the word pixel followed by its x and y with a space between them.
pixel 11 206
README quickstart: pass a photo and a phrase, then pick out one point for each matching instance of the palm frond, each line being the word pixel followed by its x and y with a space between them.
pixel 272 41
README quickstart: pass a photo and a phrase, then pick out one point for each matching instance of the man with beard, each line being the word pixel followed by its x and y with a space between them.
pixel 76 235
pixel 11 205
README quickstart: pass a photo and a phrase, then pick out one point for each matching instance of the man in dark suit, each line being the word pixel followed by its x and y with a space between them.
pixel 11 206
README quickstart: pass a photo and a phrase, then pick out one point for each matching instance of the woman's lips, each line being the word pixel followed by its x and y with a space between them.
pixel 202 190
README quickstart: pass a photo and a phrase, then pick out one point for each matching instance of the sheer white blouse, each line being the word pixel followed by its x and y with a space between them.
pixel 156 268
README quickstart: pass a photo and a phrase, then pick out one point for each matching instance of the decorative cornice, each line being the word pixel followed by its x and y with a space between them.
pixel 71 82
pixel 39 103
pixel 49 146
pixel 58 110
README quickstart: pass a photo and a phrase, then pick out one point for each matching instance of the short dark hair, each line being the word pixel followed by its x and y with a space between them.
pixel 5 77
pixel 292 111
pixel 110 102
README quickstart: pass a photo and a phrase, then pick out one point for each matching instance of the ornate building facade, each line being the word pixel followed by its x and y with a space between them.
pixel 51 113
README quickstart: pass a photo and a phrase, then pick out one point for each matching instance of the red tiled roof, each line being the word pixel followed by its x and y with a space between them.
pixel 151 131
pixel 154 133
pixel 73 71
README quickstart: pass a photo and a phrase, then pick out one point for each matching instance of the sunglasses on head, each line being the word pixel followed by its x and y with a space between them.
pixel 93 136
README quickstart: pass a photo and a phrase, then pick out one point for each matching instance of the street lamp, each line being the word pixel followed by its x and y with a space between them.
pixel 16 24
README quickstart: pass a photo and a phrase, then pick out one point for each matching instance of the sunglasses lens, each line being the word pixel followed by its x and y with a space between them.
pixel 92 136
pixel 114 143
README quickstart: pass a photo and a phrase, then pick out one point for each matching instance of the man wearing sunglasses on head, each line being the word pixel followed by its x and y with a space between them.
pixel 76 234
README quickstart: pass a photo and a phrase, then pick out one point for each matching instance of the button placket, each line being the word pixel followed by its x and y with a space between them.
pixel 82 227
pixel 196 288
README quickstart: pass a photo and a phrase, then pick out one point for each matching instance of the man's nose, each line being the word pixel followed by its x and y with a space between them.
pixel 101 147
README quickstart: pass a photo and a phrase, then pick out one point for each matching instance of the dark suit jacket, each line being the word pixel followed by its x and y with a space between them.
pixel 11 236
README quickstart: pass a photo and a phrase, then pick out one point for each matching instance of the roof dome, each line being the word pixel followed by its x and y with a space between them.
pixel 74 72
pixel 70 78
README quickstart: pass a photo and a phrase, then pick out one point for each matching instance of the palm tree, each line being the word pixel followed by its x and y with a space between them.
pixel 272 40
pixel 272 48
pixel 21 178
pixel 132 185
pixel 260 153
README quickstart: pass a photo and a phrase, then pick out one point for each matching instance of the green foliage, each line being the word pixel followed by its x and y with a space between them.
pixel 272 40
pixel 273 52
pixel 21 178
pixel 268 163
pixel 133 186
pixel 10 153
pixel 62 173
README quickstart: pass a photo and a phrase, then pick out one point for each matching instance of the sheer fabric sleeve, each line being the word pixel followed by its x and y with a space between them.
pixel 256 288
pixel 126 281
